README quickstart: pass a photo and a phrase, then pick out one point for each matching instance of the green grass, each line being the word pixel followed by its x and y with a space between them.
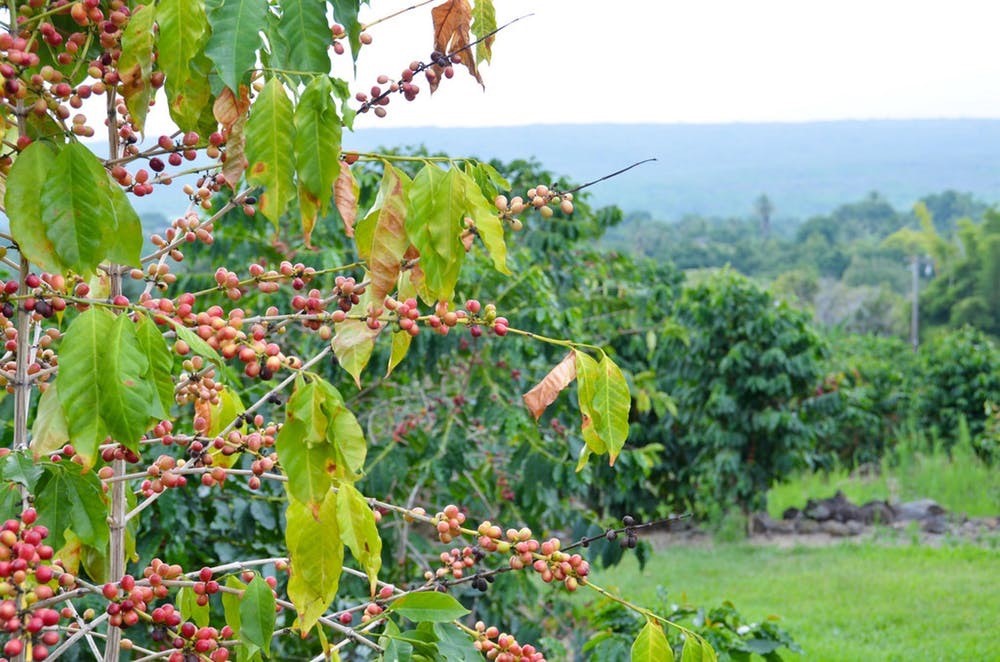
pixel 843 602
pixel 961 484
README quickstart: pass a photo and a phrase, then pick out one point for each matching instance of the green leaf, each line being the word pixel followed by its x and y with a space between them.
pixel 49 433
pixel 381 236
pixel 429 607
pixel 187 602
pixel 257 615
pixel 401 341
pixel 183 34
pixel 69 500
pixel 434 223
pixel 76 209
pixel 395 649
pixel 353 346
pixel 135 64
pixel 126 395
pixel 605 401
pixel 235 39
pixel 587 373
pixel 80 362
pixel 488 225
pixel 317 558
pixel 317 148
pixel 103 382
pixel 454 645
pixel 160 363
pixel 359 532
pixel 696 649
pixel 651 645
pixel 310 469
pixel 303 23
pixel 125 243
pixel 20 468
pixel 270 142
pixel 195 342
pixel 22 200
pixel 484 21
pixel 231 604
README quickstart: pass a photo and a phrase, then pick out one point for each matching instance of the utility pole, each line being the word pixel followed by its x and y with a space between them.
pixel 915 304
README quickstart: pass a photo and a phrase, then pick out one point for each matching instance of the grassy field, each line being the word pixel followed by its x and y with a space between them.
pixel 843 602
pixel 961 484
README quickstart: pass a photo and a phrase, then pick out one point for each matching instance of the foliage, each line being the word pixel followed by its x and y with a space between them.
pixel 967 290
pixel 960 378
pixel 739 380
pixel 731 635
pixel 863 400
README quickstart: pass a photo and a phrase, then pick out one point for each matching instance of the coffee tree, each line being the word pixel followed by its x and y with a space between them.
pixel 126 385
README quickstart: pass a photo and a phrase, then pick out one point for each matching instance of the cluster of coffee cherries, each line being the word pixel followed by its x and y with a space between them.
pixel 193 643
pixel 407 314
pixel 43 300
pixel 188 228
pixel 449 523
pixel 339 34
pixel 456 562
pixel 502 647
pixel 444 319
pixel 540 198
pixel 27 577
pixel 348 293
pixel 543 557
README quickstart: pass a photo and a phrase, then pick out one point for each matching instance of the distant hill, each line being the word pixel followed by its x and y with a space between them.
pixel 718 170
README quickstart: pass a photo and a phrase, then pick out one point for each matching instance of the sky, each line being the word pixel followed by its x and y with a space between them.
pixel 703 61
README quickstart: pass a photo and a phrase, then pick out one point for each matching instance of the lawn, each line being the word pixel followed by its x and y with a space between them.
pixel 843 602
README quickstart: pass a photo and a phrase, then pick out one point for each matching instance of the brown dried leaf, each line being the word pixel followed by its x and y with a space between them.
pixel 227 109
pixel 345 196
pixel 546 391
pixel 236 161
pixel 452 23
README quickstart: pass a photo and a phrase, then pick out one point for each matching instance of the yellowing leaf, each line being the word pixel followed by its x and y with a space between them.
pixel 381 236
pixel 345 196
pixel 484 21
pixel 651 645
pixel 359 532
pixel 49 434
pixel 353 346
pixel 316 552
pixel 545 392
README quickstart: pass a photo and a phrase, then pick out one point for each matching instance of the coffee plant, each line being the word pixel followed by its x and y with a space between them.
pixel 149 381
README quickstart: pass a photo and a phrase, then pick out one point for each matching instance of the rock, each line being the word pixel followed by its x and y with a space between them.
pixel 791 514
pixel 763 523
pixel 835 528
pixel 818 511
pixel 920 509
pixel 855 527
pixel 877 512
pixel 935 524
pixel 806 526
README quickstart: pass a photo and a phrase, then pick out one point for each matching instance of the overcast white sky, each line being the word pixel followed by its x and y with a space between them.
pixel 705 61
